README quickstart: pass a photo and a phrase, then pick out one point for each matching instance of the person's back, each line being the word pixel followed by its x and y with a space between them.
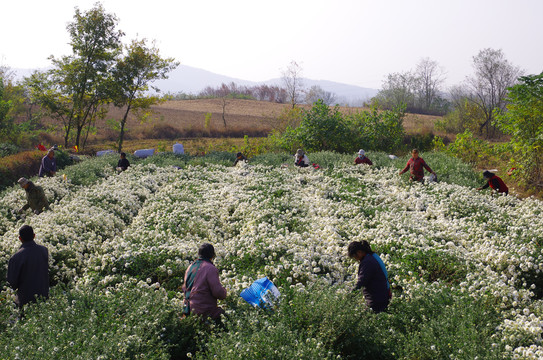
pixel 376 291
pixel 206 290
pixel 28 271
pixel 36 197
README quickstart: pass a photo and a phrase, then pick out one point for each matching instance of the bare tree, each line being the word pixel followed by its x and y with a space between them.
pixel 488 86
pixel 317 93
pixel 292 79
pixel 430 77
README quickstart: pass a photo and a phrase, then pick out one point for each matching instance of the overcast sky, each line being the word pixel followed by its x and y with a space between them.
pixel 356 42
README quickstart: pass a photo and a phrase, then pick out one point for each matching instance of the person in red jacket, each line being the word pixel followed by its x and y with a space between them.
pixel 416 165
pixel 362 158
pixel 202 286
pixel 495 183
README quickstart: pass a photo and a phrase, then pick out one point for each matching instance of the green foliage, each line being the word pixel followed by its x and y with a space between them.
pixel 8 149
pixel 129 322
pixel 469 148
pixel 326 129
pixel 466 115
pixel 207 120
pixel 524 122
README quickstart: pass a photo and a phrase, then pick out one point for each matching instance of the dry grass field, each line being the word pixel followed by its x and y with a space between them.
pixel 185 119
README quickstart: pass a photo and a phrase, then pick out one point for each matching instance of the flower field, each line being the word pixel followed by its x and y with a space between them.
pixel 465 266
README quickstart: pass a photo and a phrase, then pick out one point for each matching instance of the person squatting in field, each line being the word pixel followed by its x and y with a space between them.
pixel 416 165
pixel 35 197
pixel 372 275
pixel 48 165
pixel 239 157
pixel 495 183
pixel 202 286
pixel 362 158
pixel 28 269
pixel 123 163
pixel 300 159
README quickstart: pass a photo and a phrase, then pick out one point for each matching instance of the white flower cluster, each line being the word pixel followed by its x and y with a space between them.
pixel 293 225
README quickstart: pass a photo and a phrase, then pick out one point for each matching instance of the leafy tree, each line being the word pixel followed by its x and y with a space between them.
pixel 523 120
pixel 487 88
pixel 131 78
pixel 6 122
pixel 76 87
pixel 397 90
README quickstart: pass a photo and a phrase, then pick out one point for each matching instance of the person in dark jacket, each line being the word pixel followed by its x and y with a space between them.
pixel 362 158
pixel 372 275
pixel 28 269
pixel 416 165
pixel 123 163
pixel 48 165
pixel 239 157
pixel 35 197
pixel 495 183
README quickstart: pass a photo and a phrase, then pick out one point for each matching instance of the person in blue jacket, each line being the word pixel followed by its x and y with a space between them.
pixel 372 276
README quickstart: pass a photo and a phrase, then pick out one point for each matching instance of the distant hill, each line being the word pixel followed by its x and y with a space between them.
pixel 191 80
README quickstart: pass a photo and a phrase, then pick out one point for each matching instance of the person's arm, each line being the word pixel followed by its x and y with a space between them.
pixel 406 167
pixel 364 275
pixel 369 161
pixel 484 186
pixel 427 167
pixel 217 290
pixel 14 269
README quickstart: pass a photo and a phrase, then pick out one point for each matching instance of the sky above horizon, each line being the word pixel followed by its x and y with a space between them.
pixel 356 42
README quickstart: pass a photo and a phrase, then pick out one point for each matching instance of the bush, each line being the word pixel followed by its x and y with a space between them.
pixel 8 149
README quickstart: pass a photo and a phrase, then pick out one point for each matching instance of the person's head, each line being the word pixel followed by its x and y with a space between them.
pixel 358 249
pixel 415 153
pixel 239 155
pixel 300 153
pixel 26 233
pixel 24 182
pixel 51 153
pixel 206 251
pixel 361 153
pixel 123 155
pixel 487 174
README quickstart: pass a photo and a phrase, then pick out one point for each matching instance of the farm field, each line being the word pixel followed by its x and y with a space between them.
pixel 177 119
pixel 465 267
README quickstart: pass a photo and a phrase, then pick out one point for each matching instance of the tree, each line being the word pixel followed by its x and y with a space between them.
pixel 131 78
pixel 398 90
pixel 523 120
pixel 429 79
pixel 76 87
pixel 292 79
pixel 317 93
pixel 487 88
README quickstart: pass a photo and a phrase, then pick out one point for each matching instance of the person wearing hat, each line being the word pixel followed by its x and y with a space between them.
pixel 28 269
pixel 362 158
pixel 48 165
pixel 239 157
pixel 495 183
pixel 372 275
pixel 416 165
pixel 300 159
pixel 35 196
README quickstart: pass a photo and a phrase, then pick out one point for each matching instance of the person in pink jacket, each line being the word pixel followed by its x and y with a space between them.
pixel 202 286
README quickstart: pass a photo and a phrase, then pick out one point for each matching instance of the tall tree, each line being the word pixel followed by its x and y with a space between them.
pixel 76 86
pixel 398 90
pixel 131 79
pixel 292 79
pixel 488 86
pixel 429 79
pixel 316 93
